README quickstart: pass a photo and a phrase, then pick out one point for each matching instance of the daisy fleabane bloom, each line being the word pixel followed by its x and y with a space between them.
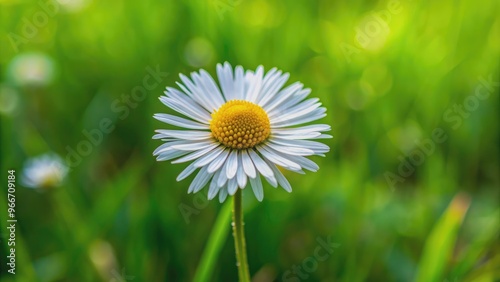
pixel 43 172
pixel 246 126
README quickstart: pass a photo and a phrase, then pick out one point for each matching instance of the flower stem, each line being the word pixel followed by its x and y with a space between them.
pixel 239 239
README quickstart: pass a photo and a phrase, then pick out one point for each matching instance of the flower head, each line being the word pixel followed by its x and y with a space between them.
pixel 247 128
pixel 46 171
pixel 32 69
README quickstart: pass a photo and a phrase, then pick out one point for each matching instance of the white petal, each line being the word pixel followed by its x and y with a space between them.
pixel 267 82
pixel 28 182
pixel 271 155
pixel 170 145
pixel 165 139
pixel 223 194
pixel 178 96
pixel 282 109
pixel 169 155
pixel 199 181
pixel 255 85
pixel 312 135
pixel 190 110
pixel 289 114
pixel 185 134
pixel 177 141
pixel 167 147
pixel 304 108
pixel 209 157
pixel 211 87
pixel 271 180
pixel 195 154
pixel 315 128
pixel 312 116
pixel 186 172
pixel 257 188
pixel 196 92
pixel 197 101
pixel 307 163
pixel 272 84
pixel 232 186
pixel 317 147
pixel 296 151
pixel 180 122
pixel 225 74
pixel 262 167
pixel 248 164
pixel 294 100
pixel 232 164
pixel 249 77
pixel 193 146
pixel 241 177
pixel 304 162
pixel 195 97
pixel 214 188
pixel 203 94
pixel 222 180
pixel 283 95
pixel 280 177
pixel 323 136
pixel 162 148
pixel 239 83
pixel 218 162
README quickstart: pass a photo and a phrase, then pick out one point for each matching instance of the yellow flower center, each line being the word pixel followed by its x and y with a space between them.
pixel 50 181
pixel 240 124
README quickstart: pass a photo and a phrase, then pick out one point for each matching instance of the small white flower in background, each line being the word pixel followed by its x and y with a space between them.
pixel 198 52
pixel 31 69
pixel 245 129
pixel 46 171
pixel 73 6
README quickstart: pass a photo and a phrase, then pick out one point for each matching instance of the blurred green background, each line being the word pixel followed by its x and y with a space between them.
pixel 389 72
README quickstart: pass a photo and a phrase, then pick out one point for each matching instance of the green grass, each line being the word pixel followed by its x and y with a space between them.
pixel 385 99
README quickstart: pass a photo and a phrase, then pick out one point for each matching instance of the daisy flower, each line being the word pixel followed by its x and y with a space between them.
pixel 246 126
pixel 31 69
pixel 46 171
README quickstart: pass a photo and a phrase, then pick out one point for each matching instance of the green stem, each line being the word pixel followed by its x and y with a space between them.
pixel 215 242
pixel 239 239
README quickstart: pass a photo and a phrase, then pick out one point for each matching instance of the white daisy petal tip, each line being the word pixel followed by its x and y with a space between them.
pixel 238 127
